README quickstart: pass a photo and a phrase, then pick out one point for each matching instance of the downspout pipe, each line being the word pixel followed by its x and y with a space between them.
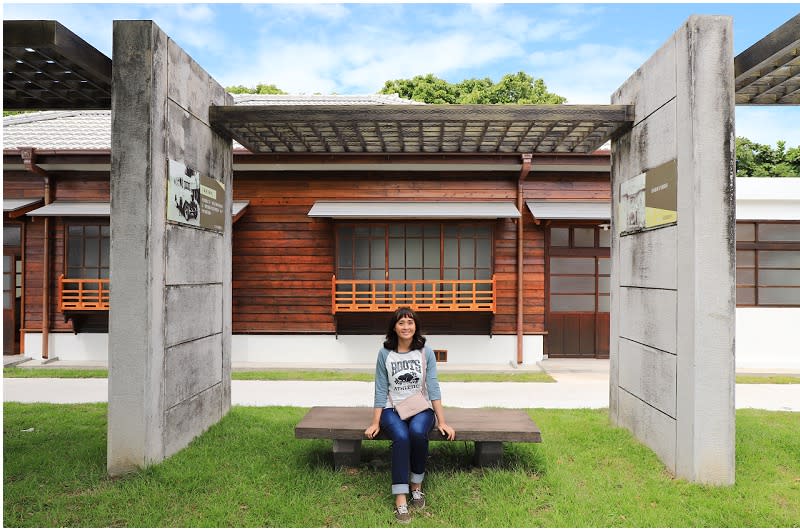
pixel 28 155
pixel 523 174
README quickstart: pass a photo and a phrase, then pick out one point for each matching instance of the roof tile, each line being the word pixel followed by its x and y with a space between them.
pixel 91 130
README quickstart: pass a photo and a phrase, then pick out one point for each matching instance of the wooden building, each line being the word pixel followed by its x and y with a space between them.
pixel 345 208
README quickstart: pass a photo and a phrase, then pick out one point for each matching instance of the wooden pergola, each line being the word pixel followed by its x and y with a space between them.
pixel 46 66
pixel 421 128
pixel 768 73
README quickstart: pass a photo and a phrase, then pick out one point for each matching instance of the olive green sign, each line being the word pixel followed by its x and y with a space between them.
pixel 649 200
pixel 661 195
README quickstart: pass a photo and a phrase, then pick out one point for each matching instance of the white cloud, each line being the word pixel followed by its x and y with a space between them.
pixel 289 11
pixel 484 9
pixel 588 73
pixel 438 56
pixel 362 59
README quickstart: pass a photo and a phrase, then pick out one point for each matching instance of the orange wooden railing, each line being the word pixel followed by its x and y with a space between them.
pixel 426 295
pixel 82 293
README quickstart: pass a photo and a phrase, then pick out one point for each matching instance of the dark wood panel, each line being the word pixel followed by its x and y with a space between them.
pixel 603 335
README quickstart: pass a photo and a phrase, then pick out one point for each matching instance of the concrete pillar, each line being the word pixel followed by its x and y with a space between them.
pixel 673 273
pixel 170 315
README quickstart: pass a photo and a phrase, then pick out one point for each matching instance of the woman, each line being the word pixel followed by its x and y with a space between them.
pixel 399 371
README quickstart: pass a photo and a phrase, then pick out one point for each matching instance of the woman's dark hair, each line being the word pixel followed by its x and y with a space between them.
pixel 417 342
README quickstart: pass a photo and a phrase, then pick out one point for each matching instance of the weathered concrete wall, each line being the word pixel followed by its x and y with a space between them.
pixel 170 317
pixel 673 286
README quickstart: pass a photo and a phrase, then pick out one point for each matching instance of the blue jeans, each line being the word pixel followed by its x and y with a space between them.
pixel 409 446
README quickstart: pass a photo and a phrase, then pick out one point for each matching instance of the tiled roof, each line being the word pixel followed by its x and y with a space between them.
pixel 317 99
pixel 89 130
pixel 86 130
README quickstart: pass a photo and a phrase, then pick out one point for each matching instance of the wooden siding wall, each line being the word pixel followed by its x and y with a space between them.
pixel 283 260
pixel 72 186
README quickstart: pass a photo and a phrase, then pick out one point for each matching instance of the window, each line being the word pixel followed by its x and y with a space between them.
pixel 88 249
pixel 414 251
pixel 580 236
pixel 579 269
pixel 768 263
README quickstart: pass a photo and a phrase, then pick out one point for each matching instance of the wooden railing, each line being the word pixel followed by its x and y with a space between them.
pixel 82 293
pixel 425 295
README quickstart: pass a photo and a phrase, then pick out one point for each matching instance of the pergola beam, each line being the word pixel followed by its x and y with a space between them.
pixel 766 73
pixel 46 66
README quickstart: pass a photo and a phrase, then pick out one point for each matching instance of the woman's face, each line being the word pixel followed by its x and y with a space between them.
pixel 405 328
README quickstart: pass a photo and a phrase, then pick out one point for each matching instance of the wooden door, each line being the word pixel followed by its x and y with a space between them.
pixel 578 270
pixel 10 328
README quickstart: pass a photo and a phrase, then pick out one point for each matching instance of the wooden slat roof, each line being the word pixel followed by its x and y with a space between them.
pixel 768 73
pixel 46 66
pixel 422 128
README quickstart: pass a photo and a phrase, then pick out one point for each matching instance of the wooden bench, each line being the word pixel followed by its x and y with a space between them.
pixel 489 428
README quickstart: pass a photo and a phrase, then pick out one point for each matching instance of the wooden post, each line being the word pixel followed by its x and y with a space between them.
pixel 526 168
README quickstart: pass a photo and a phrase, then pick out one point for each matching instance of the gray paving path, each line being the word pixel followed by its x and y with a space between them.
pixel 580 384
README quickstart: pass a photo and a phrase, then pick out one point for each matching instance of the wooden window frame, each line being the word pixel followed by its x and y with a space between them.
pixel 83 265
pixel 441 225
pixel 595 252
pixel 756 246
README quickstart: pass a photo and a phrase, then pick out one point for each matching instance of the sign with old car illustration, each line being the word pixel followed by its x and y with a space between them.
pixel 195 199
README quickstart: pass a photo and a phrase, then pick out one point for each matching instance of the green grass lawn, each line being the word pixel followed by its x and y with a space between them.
pixel 308 375
pixel 249 471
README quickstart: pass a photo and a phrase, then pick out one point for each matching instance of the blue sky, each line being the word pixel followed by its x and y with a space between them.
pixel 582 51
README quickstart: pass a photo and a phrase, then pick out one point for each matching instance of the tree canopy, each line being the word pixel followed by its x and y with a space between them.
pixel 261 88
pixel 762 160
pixel 519 88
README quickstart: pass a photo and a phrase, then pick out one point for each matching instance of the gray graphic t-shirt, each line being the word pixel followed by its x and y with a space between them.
pixel 404 372
pixel 401 374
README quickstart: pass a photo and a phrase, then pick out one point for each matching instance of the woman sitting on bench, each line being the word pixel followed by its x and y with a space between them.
pixel 406 397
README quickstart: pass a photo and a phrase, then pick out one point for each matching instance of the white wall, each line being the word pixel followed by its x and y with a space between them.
pixel 327 350
pixel 316 349
pixel 68 346
pixel 767 338
pixel 767 198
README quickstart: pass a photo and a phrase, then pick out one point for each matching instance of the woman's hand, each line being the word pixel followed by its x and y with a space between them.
pixel 372 431
pixel 447 431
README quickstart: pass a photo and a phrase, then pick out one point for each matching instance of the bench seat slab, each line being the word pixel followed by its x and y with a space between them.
pixel 471 424
pixel 488 427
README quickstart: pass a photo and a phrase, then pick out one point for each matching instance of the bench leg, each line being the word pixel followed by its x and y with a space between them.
pixel 346 453
pixel 488 453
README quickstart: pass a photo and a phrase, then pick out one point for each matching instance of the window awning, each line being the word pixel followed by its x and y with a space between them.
pixel 73 208
pixel 570 209
pixel 238 208
pixel 94 208
pixel 18 207
pixel 413 209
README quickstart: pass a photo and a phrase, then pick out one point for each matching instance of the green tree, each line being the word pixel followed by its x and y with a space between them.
pixel 761 160
pixel 261 88
pixel 519 88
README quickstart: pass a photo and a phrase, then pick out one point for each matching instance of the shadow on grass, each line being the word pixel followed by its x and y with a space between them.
pixel 443 457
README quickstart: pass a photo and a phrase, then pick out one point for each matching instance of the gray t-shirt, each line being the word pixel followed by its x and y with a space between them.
pixel 400 373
